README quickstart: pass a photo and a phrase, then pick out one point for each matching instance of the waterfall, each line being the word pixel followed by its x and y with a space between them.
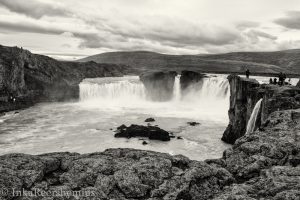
pixel 112 89
pixel 177 89
pixel 207 99
pixel 253 118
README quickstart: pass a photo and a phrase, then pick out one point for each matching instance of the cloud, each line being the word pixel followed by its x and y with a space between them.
pixel 28 28
pixel 291 21
pixel 34 8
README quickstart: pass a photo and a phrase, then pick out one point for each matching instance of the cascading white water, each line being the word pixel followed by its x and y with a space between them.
pixel 177 89
pixel 253 118
pixel 207 98
pixel 112 89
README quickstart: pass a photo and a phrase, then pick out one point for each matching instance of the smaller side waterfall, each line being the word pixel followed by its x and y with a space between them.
pixel 177 89
pixel 253 118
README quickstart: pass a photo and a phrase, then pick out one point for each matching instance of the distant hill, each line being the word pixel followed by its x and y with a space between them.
pixel 258 62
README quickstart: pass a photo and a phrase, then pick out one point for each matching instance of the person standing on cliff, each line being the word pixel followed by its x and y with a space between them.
pixel 247 73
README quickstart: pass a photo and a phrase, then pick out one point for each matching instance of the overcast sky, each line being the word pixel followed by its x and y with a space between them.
pixel 71 29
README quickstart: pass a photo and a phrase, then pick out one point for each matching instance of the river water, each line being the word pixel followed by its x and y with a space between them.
pixel 105 103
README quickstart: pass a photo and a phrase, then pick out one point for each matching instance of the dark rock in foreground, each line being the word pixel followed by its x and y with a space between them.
pixel 113 174
pixel 151 132
pixel 150 119
pixel 159 85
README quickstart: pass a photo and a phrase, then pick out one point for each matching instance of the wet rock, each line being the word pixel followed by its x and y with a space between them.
pixel 159 85
pixel 239 110
pixel 190 77
pixel 151 132
pixel 145 143
pixel 150 120
pixel 193 123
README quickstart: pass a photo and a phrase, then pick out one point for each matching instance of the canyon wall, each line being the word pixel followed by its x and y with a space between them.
pixel 26 78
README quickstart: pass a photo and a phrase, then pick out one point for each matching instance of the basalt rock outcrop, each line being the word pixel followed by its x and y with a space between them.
pixel 243 96
pixel 26 78
pixel 159 85
pixel 112 174
pixel 188 78
pixel 245 93
pixel 266 163
pixel 151 132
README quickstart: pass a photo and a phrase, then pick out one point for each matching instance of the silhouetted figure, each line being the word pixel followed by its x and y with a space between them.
pixel 281 78
pixel 271 81
pixel 284 77
pixel 247 73
pixel 275 81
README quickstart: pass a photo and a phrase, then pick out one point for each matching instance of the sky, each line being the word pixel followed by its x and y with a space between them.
pixel 72 29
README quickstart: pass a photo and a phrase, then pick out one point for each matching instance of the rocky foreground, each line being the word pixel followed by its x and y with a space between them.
pixel 263 165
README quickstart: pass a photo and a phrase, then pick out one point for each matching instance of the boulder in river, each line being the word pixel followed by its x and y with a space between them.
pixel 151 132
pixel 193 123
pixel 150 119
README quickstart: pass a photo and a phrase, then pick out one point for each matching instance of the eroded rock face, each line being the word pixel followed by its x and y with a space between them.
pixel 114 174
pixel 243 97
pixel 188 78
pixel 159 85
pixel 245 93
pixel 29 78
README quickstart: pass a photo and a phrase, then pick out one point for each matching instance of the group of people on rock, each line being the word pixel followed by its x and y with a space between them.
pixel 281 79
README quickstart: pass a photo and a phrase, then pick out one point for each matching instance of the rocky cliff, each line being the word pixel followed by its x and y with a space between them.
pixel 245 93
pixel 26 78
pixel 263 165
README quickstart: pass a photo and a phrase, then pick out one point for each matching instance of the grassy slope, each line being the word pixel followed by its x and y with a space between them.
pixel 257 62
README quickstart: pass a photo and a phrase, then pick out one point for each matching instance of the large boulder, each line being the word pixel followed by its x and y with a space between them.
pixel 188 78
pixel 159 85
pixel 151 132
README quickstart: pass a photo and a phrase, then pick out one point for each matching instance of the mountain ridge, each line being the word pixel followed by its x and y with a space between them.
pixel 287 61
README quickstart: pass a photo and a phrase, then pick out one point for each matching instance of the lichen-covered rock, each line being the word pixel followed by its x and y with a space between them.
pixel 276 183
pixel 277 144
pixel 114 174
